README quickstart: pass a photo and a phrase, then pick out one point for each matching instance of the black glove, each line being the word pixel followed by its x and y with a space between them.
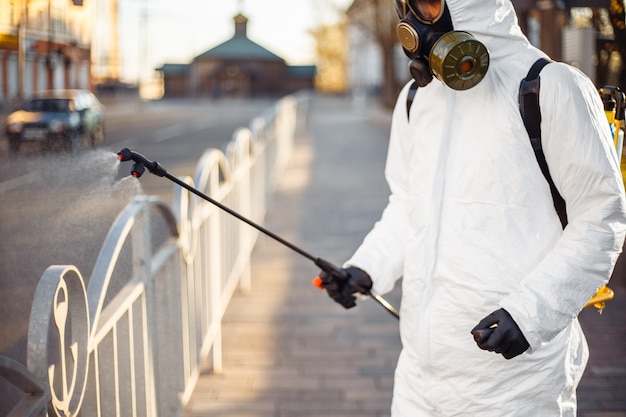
pixel 342 284
pixel 499 333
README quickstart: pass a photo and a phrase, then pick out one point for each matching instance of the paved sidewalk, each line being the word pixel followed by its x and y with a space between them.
pixel 289 351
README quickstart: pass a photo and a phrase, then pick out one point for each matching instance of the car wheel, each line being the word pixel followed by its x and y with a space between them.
pixel 14 145
pixel 97 136
pixel 74 142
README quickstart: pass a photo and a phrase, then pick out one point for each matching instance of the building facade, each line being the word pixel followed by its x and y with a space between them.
pixel 44 44
pixel 237 68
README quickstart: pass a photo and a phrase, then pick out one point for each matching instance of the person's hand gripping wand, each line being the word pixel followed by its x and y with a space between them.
pixel 344 280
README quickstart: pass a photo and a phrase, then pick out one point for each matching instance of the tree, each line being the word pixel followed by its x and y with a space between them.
pixel 377 19
pixel 331 58
pixel 609 23
pixel 617 17
pixel 386 22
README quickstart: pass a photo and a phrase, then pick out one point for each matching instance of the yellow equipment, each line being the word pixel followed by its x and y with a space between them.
pixel 603 295
pixel 614 105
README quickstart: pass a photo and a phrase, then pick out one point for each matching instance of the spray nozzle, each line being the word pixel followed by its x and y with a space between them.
pixel 137 170
pixel 125 155
pixel 141 162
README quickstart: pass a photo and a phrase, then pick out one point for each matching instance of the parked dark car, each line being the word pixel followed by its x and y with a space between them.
pixel 57 119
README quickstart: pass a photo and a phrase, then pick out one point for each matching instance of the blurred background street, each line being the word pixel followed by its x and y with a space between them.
pixel 179 78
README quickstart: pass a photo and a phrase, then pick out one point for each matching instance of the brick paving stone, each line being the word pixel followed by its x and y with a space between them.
pixel 602 391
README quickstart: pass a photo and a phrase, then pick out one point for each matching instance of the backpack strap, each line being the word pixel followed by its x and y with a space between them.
pixel 531 115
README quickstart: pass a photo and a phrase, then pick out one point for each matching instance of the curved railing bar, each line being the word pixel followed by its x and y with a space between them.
pixel 60 297
pixel 37 395
pixel 112 247
pixel 205 178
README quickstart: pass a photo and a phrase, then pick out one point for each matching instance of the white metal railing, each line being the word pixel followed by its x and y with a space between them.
pixel 131 342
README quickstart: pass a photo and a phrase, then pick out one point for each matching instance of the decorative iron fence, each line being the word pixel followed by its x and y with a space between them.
pixel 131 342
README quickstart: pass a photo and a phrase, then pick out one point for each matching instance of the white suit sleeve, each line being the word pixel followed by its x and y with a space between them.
pixel 381 254
pixel 582 161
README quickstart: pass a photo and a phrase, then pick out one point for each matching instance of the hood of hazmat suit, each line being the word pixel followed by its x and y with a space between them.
pixel 470 227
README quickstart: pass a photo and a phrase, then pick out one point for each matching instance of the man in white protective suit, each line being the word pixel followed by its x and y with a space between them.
pixel 492 283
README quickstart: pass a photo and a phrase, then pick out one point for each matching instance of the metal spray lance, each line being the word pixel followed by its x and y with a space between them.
pixel 142 163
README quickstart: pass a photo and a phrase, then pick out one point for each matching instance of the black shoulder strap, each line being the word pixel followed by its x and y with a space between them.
pixel 531 114
pixel 410 97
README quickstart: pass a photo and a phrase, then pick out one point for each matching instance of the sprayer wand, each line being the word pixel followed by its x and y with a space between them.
pixel 141 163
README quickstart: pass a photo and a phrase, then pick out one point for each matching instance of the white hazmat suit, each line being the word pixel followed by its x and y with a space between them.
pixel 471 227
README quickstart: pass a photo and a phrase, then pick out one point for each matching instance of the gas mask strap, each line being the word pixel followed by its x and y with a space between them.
pixel 409 98
pixel 401 8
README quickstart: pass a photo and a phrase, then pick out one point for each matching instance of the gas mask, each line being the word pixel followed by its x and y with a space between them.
pixel 425 31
